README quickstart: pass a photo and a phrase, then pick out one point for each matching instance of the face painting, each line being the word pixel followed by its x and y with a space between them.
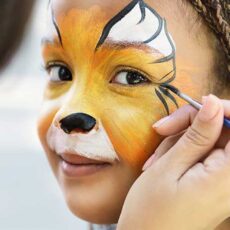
pixel 107 68
pixel 138 24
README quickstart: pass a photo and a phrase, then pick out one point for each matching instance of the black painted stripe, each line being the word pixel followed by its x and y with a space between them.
pixel 162 100
pixel 173 54
pixel 169 95
pixel 56 27
pixel 165 59
pixel 166 75
pixel 114 20
pixel 143 12
pixel 160 20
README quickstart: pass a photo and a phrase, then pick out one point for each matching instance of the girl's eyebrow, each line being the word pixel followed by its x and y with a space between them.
pixel 129 45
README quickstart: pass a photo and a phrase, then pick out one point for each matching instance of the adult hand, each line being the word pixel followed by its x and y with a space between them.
pixel 174 126
pixel 188 186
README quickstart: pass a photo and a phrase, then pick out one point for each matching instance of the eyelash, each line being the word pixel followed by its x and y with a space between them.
pixel 49 65
pixel 130 69
pixel 60 67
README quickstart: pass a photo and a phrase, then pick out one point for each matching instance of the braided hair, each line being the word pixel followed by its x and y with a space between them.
pixel 217 15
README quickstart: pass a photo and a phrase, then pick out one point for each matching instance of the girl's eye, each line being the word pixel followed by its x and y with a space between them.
pixel 130 78
pixel 59 73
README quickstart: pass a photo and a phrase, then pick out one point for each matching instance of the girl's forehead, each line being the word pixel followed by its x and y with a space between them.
pixel 137 23
pixel 173 11
pixel 109 7
pixel 135 31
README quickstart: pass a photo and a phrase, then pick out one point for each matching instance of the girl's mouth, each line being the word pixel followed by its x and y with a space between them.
pixel 74 166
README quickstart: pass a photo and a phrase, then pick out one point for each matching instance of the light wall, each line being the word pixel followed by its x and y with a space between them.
pixel 29 195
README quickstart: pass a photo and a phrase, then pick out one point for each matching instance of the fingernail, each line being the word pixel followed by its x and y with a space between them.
pixel 161 122
pixel 209 109
pixel 149 162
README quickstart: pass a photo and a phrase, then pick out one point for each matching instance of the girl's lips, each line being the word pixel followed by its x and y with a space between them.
pixel 80 160
pixel 77 166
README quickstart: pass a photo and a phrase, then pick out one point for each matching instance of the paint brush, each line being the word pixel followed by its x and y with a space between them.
pixel 192 102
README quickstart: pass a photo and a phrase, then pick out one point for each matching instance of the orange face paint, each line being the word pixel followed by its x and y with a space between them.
pixel 95 57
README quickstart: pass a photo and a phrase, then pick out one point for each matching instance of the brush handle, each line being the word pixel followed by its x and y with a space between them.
pixel 226 122
pixel 198 106
pixel 192 102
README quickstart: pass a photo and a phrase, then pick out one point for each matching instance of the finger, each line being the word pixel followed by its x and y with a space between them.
pixel 226 104
pixel 224 138
pixel 227 148
pixel 217 159
pixel 198 140
pixel 163 148
pixel 167 144
pixel 182 119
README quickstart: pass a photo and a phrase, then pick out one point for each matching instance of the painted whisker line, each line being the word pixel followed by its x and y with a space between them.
pixel 169 95
pixel 158 93
pixel 155 35
pixel 191 101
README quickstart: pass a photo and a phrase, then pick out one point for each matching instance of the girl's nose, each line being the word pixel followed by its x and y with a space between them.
pixel 78 122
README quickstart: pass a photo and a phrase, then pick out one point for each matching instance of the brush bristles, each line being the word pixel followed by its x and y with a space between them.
pixel 171 88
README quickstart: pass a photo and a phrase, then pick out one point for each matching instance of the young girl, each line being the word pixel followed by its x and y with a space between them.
pixel 107 65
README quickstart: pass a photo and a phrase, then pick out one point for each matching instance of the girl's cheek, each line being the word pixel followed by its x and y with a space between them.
pixel 130 131
pixel 127 117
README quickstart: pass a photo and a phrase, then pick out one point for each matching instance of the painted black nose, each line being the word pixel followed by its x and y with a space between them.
pixel 80 122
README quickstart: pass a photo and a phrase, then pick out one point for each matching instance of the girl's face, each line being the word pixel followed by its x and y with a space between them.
pixel 106 64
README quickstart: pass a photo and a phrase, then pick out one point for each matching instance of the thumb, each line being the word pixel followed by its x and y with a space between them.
pixel 198 140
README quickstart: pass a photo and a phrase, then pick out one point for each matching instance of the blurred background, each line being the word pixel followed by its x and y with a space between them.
pixel 29 195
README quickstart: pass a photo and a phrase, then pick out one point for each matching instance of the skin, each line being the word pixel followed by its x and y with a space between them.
pixel 196 161
pixel 99 198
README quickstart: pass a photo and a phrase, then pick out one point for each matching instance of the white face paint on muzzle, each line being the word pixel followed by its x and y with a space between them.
pixel 94 145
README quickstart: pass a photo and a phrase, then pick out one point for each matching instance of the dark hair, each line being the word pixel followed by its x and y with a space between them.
pixel 14 15
pixel 217 15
